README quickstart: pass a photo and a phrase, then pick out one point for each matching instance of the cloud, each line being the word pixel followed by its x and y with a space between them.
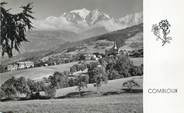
pixel 55 23
pixel 111 25
pixel 61 23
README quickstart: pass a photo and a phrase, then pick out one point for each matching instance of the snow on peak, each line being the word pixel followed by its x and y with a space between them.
pixel 82 12
pixel 97 15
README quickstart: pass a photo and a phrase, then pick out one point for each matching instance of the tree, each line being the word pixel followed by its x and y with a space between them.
pixel 21 86
pixel 31 85
pixel 50 91
pixel 13 28
pixel 59 80
pixel 81 82
pixel 35 87
pixel 81 57
pixel 9 87
pixel 3 68
pixel 100 77
pixel 91 71
pixel 100 74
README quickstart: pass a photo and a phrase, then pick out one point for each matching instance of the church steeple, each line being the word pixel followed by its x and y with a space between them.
pixel 113 50
pixel 115 45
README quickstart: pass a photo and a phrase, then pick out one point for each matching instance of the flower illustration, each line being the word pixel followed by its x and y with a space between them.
pixel 164 27
pixel 155 29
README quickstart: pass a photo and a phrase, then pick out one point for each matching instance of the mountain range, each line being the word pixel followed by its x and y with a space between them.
pixel 81 20
pixel 75 26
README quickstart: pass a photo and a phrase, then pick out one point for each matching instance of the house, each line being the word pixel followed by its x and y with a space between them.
pixel 20 65
pixel 113 50
pixel 12 67
pixel 25 64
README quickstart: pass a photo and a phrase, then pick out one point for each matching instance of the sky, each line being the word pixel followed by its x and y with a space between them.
pixel 46 8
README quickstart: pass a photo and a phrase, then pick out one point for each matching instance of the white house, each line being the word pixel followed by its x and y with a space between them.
pixel 20 65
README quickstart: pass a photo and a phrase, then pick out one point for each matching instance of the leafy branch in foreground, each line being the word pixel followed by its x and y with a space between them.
pixel 13 28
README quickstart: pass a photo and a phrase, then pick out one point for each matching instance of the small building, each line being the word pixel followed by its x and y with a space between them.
pixel 20 65
pixel 25 64
pixel 12 67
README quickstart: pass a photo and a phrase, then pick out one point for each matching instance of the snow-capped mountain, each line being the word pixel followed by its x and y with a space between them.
pixel 85 16
pixel 81 20
pixel 96 16
pixel 82 12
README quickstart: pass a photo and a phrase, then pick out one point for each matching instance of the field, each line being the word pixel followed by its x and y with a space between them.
pixel 113 103
pixel 110 87
pixel 36 73
pixel 40 72
pixel 124 103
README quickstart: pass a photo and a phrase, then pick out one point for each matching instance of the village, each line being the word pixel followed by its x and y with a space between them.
pixel 64 58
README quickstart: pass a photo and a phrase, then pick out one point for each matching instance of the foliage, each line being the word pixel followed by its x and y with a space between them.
pixel 13 28
pixel 113 74
pixel 81 82
pixel 118 66
pixel 35 87
pixel 130 84
pixel 81 57
pixel 136 53
pixel 91 71
pixel 100 77
pixel 78 67
pixel 50 91
pixel 136 70
pixel 3 69
pixel 71 82
pixel 59 80
pixel 21 85
pixel 2 94
pixel 9 87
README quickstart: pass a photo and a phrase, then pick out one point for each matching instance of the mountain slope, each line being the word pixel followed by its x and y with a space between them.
pixel 119 36
pixel 124 38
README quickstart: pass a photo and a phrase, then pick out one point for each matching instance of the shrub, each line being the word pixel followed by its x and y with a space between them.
pixel 136 70
pixel 50 91
pixel 128 85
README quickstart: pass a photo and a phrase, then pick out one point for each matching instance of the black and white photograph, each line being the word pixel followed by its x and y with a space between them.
pixel 71 56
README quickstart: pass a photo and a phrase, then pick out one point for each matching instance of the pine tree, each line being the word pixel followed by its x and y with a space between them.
pixel 13 28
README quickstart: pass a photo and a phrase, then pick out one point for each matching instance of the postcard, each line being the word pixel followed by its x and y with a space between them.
pixel 91 56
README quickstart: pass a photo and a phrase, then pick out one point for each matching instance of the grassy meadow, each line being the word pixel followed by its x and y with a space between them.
pixel 113 102
pixel 124 103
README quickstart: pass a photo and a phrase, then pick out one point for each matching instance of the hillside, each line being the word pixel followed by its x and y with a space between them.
pixel 131 37
pixel 120 36
pixel 36 73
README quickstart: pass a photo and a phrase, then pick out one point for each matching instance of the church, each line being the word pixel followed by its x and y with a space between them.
pixel 113 50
